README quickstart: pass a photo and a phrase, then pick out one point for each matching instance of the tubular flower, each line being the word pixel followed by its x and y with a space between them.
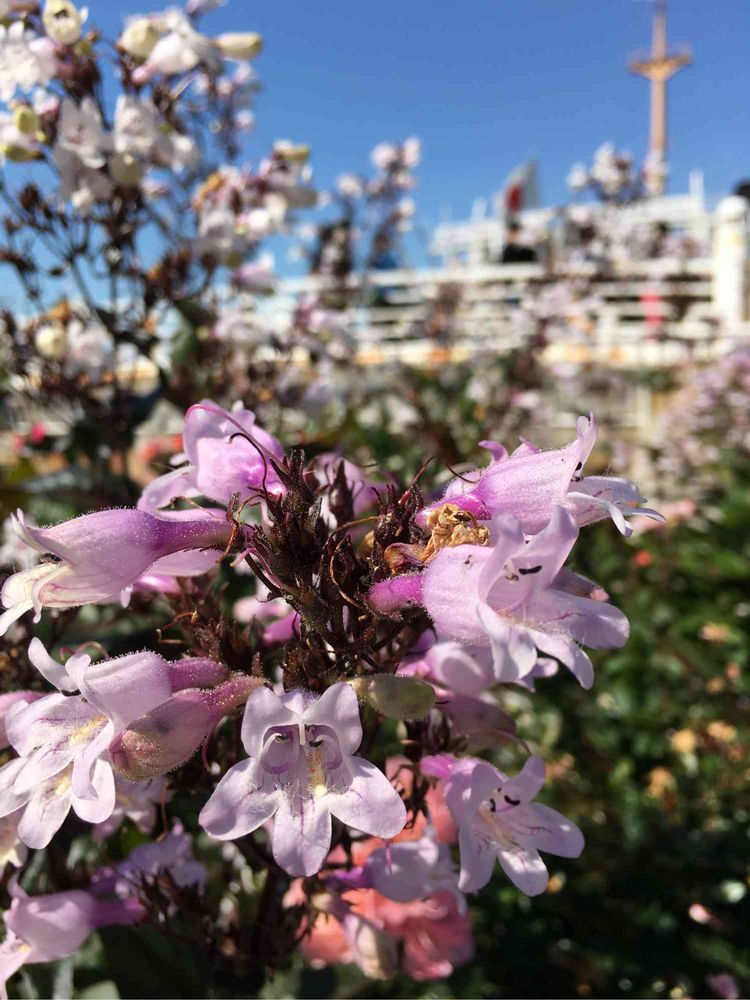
pixel 98 555
pixel 179 49
pixel 498 821
pixel 226 454
pixel 301 771
pixel 413 869
pixel 506 596
pixel 46 928
pixel 62 741
pixel 530 483
pixel 170 733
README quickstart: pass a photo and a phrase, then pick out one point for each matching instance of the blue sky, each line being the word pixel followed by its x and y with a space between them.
pixel 486 83
pixel 489 83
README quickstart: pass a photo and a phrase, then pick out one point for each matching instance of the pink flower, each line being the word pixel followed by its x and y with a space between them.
pixel 301 771
pixel 505 596
pixel 413 869
pixel 172 853
pixel 514 597
pixel 724 986
pixel 498 821
pixel 226 454
pixel 99 555
pixel 63 739
pixel 46 928
pixel 531 483
pixel 435 934
pixel 6 703
pixel 364 927
pixel 167 735
pixel 473 710
pixel 279 618
pixel 464 669
pixel 256 276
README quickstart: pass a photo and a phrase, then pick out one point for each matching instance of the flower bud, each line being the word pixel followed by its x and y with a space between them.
pixel 139 37
pixel 395 697
pixel 19 154
pixel 240 44
pixel 292 152
pixel 389 596
pixel 126 170
pixel 163 739
pixel 63 21
pixel 195 671
pixel 25 119
pixel 51 340
pixel 171 733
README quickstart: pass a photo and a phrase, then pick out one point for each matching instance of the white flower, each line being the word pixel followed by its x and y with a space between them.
pixel 139 37
pixel 136 126
pixel 384 155
pixel 578 177
pixel 91 349
pixel 19 134
pixel 63 21
pixel 14 551
pixel 180 49
pixel 51 340
pixel 219 235
pixel 411 151
pixel 80 131
pixel 79 184
pixel 141 132
pixel 25 60
pixel 240 45
pixel 349 186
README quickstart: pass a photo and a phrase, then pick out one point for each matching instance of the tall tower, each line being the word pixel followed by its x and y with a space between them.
pixel 658 66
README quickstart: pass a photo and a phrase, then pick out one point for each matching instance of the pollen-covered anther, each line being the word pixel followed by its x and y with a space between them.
pixel 451 526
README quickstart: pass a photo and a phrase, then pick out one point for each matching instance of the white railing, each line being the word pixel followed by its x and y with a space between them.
pixel 645 313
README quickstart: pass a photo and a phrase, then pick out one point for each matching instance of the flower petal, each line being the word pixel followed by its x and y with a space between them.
pixel 569 654
pixel 477 861
pixel 301 836
pixel 50 669
pixel 525 785
pixel 470 782
pixel 55 925
pixel 370 804
pixel 46 811
pixel 525 868
pixel 264 709
pixel 98 805
pixel 236 806
pixel 10 800
pixel 127 687
pixel 338 708
pixel 513 649
pixel 547 830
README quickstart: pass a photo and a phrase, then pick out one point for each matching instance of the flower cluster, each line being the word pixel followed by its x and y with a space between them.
pixel 377 611
pixel 705 432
